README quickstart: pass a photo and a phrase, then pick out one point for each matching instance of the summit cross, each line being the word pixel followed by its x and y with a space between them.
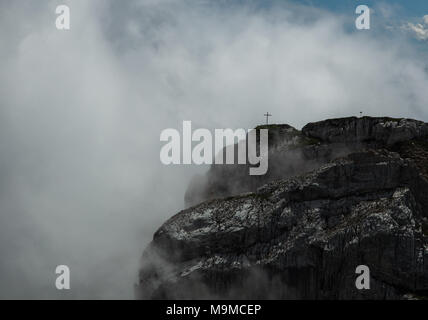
pixel 267 115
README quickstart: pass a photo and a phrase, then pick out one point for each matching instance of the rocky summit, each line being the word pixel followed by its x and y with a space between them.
pixel 338 194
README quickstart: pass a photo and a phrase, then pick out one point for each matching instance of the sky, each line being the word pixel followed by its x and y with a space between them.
pixel 407 8
pixel 81 111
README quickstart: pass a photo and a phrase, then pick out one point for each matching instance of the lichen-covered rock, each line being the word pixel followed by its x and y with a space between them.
pixel 386 131
pixel 301 238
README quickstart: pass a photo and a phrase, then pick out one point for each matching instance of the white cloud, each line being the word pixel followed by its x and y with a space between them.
pixel 419 30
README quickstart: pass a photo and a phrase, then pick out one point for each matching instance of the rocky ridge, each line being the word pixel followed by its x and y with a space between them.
pixel 357 194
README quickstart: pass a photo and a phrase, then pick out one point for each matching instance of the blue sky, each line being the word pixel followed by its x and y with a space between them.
pixel 409 8
pixel 391 16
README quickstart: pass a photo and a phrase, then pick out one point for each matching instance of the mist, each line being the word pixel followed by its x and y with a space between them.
pixel 81 112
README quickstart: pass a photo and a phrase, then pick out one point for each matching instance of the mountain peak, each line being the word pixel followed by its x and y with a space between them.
pixel 340 194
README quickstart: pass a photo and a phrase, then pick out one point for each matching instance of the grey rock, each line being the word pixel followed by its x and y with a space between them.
pixel 367 129
pixel 303 236
pixel 293 152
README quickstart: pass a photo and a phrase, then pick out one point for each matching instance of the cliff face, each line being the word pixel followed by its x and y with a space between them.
pixel 358 196
pixel 293 152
